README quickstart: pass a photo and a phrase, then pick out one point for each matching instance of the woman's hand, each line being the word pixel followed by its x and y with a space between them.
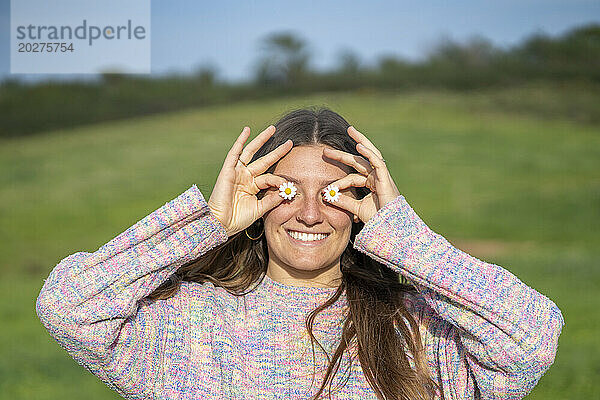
pixel 372 174
pixel 233 199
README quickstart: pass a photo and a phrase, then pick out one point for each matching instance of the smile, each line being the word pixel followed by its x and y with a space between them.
pixel 307 237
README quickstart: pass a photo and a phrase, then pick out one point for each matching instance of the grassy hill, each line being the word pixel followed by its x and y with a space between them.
pixel 517 188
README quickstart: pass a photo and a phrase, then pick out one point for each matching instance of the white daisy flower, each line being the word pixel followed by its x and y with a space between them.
pixel 331 193
pixel 287 190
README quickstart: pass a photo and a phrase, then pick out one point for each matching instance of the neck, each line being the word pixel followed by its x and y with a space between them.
pixel 330 276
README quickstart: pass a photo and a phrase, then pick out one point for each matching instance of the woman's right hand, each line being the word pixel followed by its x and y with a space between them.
pixel 233 199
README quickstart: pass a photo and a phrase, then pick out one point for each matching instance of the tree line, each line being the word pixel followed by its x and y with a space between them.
pixel 284 68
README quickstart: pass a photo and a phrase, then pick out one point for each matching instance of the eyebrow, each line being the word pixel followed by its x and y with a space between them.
pixel 289 178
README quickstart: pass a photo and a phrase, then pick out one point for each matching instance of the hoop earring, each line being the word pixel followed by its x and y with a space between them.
pixel 256 238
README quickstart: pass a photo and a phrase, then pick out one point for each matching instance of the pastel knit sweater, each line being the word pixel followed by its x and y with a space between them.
pixel 486 334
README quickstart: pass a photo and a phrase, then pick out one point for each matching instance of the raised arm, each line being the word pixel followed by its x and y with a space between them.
pixel 92 302
pixel 95 306
pixel 490 335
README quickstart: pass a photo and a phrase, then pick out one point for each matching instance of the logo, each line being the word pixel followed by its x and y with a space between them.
pixel 82 32
pixel 83 36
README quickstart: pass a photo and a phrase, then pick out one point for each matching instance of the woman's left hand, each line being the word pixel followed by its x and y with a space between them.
pixel 372 174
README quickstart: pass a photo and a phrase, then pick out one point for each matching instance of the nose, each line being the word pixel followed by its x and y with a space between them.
pixel 310 210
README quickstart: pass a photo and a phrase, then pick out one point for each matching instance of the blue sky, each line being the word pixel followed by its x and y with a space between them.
pixel 226 34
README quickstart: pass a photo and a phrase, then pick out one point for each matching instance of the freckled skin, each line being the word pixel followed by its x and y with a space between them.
pixel 307 211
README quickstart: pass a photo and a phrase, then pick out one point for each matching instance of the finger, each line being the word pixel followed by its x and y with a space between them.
pixel 268 202
pixel 350 180
pixel 360 164
pixel 376 161
pixel 256 144
pixel 265 181
pixel 346 203
pixel 360 138
pixel 234 153
pixel 263 163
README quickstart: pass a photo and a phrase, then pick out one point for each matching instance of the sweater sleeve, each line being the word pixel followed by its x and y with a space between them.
pixel 93 303
pixel 490 335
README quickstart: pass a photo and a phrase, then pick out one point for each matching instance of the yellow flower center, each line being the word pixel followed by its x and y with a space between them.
pixel 288 190
pixel 332 193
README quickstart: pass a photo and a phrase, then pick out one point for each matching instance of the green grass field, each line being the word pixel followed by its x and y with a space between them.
pixel 516 189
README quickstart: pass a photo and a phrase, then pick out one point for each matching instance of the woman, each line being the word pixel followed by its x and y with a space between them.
pixel 306 274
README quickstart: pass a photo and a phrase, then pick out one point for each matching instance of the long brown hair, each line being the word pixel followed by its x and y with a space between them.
pixel 377 323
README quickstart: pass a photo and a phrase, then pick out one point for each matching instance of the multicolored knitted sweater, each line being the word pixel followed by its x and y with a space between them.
pixel 486 334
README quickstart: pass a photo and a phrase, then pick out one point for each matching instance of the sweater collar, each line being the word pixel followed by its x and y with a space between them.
pixel 298 296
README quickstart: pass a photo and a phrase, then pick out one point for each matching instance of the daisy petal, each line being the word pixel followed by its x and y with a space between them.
pixel 287 190
pixel 331 193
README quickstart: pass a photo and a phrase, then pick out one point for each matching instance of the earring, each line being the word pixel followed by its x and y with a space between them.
pixel 256 238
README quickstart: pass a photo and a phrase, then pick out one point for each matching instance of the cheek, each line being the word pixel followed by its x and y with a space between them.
pixel 339 219
pixel 278 215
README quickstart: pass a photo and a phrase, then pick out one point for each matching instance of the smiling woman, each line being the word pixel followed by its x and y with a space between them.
pixel 219 299
pixel 305 235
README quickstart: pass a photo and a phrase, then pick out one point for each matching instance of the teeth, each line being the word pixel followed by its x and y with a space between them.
pixel 307 237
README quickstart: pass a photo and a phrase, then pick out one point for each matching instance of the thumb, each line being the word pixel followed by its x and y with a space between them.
pixel 347 203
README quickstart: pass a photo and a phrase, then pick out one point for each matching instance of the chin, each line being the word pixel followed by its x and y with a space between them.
pixel 309 265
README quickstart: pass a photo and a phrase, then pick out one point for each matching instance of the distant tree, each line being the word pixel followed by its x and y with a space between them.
pixel 476 52
pixel 206 74
pixel 390 64
pixel 348 62
pixel 112 77
pixel 393 71
pixel 10 82
pixel 285 61
pixel 576 52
